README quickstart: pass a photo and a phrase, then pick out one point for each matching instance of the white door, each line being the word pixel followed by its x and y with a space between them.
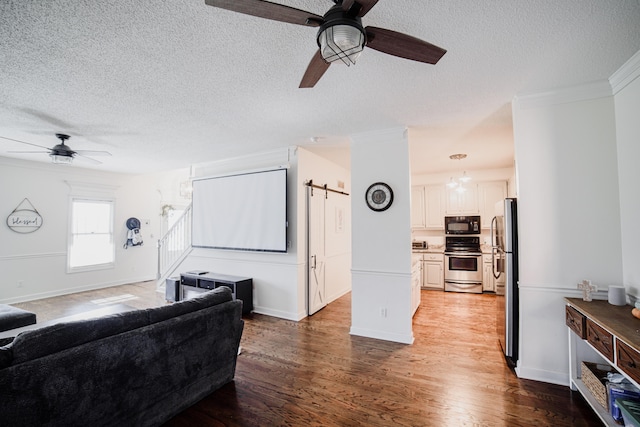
pixel 316 292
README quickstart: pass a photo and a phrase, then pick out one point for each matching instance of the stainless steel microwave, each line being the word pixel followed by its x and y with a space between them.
pixel 462 224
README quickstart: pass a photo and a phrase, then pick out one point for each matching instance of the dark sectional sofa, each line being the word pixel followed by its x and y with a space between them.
pixel 137 368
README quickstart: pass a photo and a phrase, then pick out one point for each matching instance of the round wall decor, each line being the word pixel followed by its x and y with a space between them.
pixel 379 196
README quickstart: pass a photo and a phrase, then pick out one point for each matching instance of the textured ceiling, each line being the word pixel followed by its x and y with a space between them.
pixel 164 84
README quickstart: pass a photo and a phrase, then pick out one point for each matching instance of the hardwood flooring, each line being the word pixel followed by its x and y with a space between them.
pixel 313 373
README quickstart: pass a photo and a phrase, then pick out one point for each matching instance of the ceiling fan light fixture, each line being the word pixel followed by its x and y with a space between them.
pixel 341 42
pixel 62 160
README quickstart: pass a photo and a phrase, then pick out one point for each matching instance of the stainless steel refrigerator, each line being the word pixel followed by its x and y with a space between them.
pixel 504 241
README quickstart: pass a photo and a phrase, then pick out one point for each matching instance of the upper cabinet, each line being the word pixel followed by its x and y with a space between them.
pixel 417 207
pixel 490 193
pixel 427 207
pixel 462 202
pixel 431 203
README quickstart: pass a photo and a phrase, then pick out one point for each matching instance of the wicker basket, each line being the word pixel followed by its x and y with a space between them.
pixel 594 377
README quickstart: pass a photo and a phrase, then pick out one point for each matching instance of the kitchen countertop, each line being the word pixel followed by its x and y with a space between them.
pixel 435 249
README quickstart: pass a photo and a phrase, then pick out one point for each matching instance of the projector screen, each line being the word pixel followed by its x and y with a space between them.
pixel 245 212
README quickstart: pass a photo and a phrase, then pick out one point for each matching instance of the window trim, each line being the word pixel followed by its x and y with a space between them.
pixel 93 267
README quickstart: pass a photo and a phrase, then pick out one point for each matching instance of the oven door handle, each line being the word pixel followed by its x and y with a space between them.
pixel 463 255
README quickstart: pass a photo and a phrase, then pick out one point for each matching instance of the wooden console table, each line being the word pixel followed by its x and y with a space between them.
pixel 194 283
pixel 605 334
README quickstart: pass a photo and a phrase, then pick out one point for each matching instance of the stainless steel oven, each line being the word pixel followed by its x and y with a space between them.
pixel 463 265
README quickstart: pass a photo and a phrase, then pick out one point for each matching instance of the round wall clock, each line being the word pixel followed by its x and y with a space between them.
pixel 379 196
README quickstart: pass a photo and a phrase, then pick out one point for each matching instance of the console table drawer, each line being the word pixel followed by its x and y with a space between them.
pixel 600 339
pixel 628 360
pixel 576 321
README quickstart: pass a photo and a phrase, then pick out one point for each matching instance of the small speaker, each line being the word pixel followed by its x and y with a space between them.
pixel 172 289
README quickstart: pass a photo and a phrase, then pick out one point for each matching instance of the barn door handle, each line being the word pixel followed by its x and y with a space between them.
pixel 313 262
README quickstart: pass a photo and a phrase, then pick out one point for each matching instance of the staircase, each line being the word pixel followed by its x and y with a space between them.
pixel 174 247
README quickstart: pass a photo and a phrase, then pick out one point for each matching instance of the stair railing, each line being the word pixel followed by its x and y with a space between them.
pixel 175 244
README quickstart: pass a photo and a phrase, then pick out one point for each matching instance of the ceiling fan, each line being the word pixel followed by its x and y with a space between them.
pixel 341 36
pixel 62 153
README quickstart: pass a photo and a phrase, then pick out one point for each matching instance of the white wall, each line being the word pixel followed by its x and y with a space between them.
pixel 381 259
pixel 627 105
pixel 279 280
pixel 33 265
pixel 568 213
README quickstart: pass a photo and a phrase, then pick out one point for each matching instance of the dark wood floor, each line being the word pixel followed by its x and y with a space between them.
pixel 313 373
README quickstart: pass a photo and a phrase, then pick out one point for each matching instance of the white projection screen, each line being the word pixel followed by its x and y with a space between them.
pixel 245 212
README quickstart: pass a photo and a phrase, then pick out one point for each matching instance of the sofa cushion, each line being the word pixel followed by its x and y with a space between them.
pixel 29 345
pixel 6 356
pixel 206 299
pixel 14 317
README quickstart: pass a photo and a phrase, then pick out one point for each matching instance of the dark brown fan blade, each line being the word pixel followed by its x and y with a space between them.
pixel 268 10
pixel 402 45
pixel 315 70
pixel 363 5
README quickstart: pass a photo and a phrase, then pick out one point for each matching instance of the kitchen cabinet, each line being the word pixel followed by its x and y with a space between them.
pixel 488 281
pixel 417 207
pixel 601 333
pixel 433 271
pixel 416 281
pixel 427 207
pixel 431 203
pixel 490 193
pixel 462 202
pixel 434 207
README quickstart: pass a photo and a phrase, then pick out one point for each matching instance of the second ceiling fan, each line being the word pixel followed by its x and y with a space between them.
pixel 341 36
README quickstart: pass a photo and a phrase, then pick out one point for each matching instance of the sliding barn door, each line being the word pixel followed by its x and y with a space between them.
pixel 316 290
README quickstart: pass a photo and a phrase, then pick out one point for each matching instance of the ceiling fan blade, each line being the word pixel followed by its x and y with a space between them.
pixel 89 159
pixel 403 46
pixel 28 143
pixel 315 71
pixel 363 6
pixel 93 153
pixel 29 152
pixel 268 10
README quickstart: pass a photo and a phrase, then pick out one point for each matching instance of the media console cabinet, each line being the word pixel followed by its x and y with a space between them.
pixel 196 282
pixel 606 334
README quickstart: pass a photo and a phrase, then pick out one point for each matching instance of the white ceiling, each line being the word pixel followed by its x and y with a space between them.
pixel 165 84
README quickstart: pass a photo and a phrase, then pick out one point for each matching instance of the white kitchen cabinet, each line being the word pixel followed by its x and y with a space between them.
pixel 416 281
pixel 434 196
pixel 433 271
pixel 490 193
pixel 462 202
pixel 488 281
pixel 417 207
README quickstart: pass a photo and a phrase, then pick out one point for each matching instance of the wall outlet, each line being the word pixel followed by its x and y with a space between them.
pixel 383 312
pixel 20 283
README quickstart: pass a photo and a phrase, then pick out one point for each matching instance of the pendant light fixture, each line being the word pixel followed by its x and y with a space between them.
pixel 458 184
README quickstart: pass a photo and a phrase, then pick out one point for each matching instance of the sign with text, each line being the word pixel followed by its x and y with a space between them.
pixel 24 220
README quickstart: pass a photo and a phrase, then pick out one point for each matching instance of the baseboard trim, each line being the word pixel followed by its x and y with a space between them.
pixel 370 333
pixel 68 291
pixel 558 378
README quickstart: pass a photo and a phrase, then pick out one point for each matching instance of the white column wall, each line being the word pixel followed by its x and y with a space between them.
pixel 627 105
pixel 381 251
pixel 569 218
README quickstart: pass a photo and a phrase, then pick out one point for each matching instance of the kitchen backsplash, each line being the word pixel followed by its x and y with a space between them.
pixel 436 238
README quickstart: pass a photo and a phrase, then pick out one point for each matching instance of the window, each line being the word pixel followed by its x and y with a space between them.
pixel 91 242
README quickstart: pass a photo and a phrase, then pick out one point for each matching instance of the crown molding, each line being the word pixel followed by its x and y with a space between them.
pixel 629 71
pixel 583 92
